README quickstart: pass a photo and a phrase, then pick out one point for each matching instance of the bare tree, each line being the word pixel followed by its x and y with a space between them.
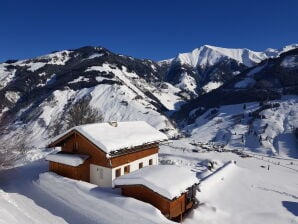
pixel 14 149
pixel 78 114
pixel 56 126
pixel 82 113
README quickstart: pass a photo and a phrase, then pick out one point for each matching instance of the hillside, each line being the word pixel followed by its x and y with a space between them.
pixel 208 67
pixel 267 129
pixel 269 80
pixel 37 93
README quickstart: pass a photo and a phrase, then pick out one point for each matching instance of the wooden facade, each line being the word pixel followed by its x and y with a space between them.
pixel 81 172
pixel 77 143
pixel 170 208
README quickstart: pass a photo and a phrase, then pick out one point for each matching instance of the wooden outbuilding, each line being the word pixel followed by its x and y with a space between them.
pixel 110 150
pixel 74 166
pixel 171 189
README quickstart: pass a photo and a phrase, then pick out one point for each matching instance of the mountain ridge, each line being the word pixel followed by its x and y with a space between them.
pixel 37 93
pixel 209 67
pixel 269 52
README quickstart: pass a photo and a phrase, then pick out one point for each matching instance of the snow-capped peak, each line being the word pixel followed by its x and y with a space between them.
pixel 209 55
pixel 271 52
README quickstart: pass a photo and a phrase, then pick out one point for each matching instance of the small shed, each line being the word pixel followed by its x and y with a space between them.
pixel 75 166
pixel 169 188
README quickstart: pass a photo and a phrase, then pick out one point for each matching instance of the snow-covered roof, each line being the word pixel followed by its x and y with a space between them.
pixel 167 180
pixel 67 159
pixel 122 135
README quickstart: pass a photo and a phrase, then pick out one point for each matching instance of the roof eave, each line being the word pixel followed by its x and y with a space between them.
pixel 173 199
pixel 129 150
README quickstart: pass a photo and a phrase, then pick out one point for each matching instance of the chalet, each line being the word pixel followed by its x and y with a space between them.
pixel 100 152
pixel 124 155
pixel 169 188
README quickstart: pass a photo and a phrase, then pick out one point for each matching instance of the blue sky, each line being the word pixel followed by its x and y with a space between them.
pixel 145 29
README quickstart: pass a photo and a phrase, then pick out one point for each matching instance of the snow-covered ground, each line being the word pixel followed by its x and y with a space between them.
pixel 268 129
pixel 186 82
pixel 211 86
pixel 31 195
pixel 117 103
pixel 245 192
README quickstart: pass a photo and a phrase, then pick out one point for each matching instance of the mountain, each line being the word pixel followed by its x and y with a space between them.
pixel 208 67
pixel 257 109
pixel 269 79
pixel 276 52
pixel 37 93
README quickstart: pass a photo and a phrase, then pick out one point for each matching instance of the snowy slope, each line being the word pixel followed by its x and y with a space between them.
pixel 275 52
pixel 208 67
pixel 269 80
pixel 245 192
pixel 262 129
pixel 36 93
pixel 210 55
pixel 112 101
pixel 28 195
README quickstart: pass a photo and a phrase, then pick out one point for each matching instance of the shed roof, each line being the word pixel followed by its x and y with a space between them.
pixel 167 180
pixel 112 137
pixel 67 159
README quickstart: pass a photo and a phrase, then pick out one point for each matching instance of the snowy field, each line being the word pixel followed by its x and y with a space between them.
pixel 245 192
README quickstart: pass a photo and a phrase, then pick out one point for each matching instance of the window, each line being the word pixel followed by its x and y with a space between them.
pixel 118 172
pixel 140 165
pixel 126 169
pixel 150 161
